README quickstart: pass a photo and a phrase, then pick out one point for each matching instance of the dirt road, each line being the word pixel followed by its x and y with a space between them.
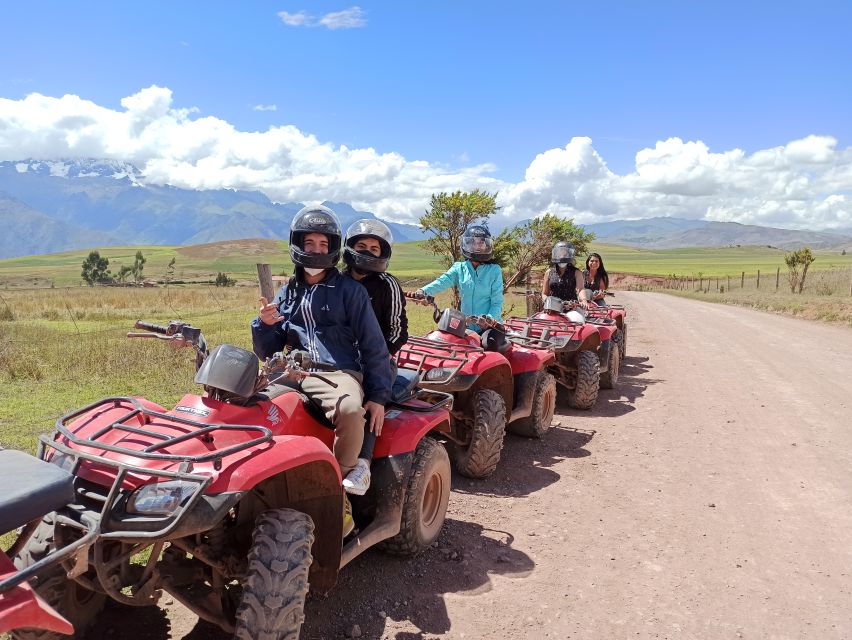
pixel 710 496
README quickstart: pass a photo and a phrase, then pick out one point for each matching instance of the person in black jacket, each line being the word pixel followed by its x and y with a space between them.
pixel 329 316
pixel 563 279
pixel 367 250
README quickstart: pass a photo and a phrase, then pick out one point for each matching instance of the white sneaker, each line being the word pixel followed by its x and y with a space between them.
pixel 357 481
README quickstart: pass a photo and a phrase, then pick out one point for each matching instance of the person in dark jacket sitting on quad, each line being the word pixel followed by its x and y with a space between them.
pixel 367 250
pixel 595 277
pixel 329 316
pixel 563 279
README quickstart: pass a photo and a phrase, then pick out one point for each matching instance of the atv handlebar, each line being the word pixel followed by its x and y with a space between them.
pixel 295 365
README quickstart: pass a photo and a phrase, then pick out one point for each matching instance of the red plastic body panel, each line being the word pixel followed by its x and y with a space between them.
pixel 524 360
pixel 21 607
pixel 478 362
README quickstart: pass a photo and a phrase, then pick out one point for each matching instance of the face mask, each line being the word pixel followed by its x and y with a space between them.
pixel 313 272
pixel 366 254
pixel 562 265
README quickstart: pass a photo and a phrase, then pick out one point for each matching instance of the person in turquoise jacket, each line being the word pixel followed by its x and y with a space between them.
pixel 479 280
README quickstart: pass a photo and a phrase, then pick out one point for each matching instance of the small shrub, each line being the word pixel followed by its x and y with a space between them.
pixel 222 280
pixel 6 314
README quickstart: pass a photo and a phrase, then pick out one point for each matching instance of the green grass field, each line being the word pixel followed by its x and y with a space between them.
pixel 709 262
pixel 410 262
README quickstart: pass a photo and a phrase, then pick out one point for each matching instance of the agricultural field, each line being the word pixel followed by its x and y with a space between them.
pixel 725 261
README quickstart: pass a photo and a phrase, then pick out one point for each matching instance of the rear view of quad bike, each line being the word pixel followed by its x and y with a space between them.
pixel 576 344
pixel 233 497
pixel 616 313
pixel 497 379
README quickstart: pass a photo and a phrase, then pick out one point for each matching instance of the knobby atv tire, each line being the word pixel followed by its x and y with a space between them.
pixel 425 504
pixel 273 601
pixel 480 457
pixel 543 408
pixel 609 378
pixel 622 344
pixel 585 394
pixel 79 605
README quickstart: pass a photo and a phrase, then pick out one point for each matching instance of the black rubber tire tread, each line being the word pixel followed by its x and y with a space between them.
pixel 539 421
pixel 585 394
pixel 273 601
pixel 480 457
pixel 430 457
pixel 79 605
pixel 622 345
pixel 609 378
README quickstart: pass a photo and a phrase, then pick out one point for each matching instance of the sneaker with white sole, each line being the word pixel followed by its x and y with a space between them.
pixel 348 520
pixel 357 481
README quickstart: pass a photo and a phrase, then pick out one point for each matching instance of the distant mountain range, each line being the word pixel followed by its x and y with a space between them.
pixel 47 206
pixel 51 206
pixel 670 233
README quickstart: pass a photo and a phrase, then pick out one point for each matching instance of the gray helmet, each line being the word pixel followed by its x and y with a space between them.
pixel 477 243
pixel 318 219
pixel 367 261
pixel 562 252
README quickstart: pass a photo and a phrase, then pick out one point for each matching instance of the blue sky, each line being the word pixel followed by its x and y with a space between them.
pixel 475 89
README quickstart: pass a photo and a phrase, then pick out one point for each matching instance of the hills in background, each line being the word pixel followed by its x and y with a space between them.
pixel 671 233
pixel 48 206
pixel 52 206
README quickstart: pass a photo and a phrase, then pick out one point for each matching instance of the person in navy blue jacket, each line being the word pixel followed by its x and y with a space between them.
pixel 329 316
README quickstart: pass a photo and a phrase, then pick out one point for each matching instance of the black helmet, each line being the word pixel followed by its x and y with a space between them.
pixel 476 243
pixel 367 261
pixel 562 252
pixel 316 219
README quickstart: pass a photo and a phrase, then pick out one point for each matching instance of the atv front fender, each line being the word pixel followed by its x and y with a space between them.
pixel 297 472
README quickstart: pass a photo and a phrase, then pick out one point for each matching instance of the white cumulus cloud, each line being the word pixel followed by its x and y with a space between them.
pixel 265 107
pixel 803 183
pixel 351 18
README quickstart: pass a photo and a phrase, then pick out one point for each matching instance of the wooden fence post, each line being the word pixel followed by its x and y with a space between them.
pixel 742 281
pixel 758 278
pixel 777 278
pixel 729 283
pixel 717 283
pixel 264 279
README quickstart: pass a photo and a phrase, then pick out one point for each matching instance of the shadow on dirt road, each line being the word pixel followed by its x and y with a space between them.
pixel 409 592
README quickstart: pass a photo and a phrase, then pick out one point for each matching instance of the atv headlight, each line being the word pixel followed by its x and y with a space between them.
pixel 161 498
pixel 438 374
pixel 559 342
pixel 63 461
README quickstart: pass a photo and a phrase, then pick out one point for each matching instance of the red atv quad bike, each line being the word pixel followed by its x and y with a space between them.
pixel 31 489
pixel 577 346
pixel 231 502
pixel 497 379
pixel 617 313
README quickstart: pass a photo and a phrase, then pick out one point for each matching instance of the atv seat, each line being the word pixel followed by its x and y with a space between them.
pixel 31 488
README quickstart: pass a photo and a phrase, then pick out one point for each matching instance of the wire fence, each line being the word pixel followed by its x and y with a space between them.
pixel 829 282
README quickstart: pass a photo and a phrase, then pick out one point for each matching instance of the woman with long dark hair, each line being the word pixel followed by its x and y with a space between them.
pixel 595 277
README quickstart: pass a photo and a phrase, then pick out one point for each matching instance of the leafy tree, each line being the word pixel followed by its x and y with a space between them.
pixel 447 218
pixel 798 263
pixel 524 247
pixel 138 265
pixel 122 274
pixel 95 269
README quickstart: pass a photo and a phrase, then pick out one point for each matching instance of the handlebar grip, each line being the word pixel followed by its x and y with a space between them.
pixel 150 326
